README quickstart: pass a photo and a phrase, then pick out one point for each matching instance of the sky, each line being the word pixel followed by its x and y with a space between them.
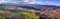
pixel 49 2
pixel 43 2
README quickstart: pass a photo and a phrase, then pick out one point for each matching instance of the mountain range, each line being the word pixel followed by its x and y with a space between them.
pixel 32 6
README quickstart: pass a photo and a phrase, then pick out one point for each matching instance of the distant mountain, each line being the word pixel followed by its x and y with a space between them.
pixel 32 6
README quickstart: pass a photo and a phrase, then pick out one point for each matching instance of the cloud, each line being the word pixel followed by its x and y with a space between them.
pixel 52 3
pixel 4 1
pixel 23 1
pixel 18 1
pixel 48 3
pixel 29 2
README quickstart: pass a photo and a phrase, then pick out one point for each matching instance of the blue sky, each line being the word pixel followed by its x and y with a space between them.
pixel 50 2
pixel 44 2
pixel 47 0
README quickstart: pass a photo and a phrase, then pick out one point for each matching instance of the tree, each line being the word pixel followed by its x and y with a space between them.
pixel 1 16
pixel 29 14
pixel 1 11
